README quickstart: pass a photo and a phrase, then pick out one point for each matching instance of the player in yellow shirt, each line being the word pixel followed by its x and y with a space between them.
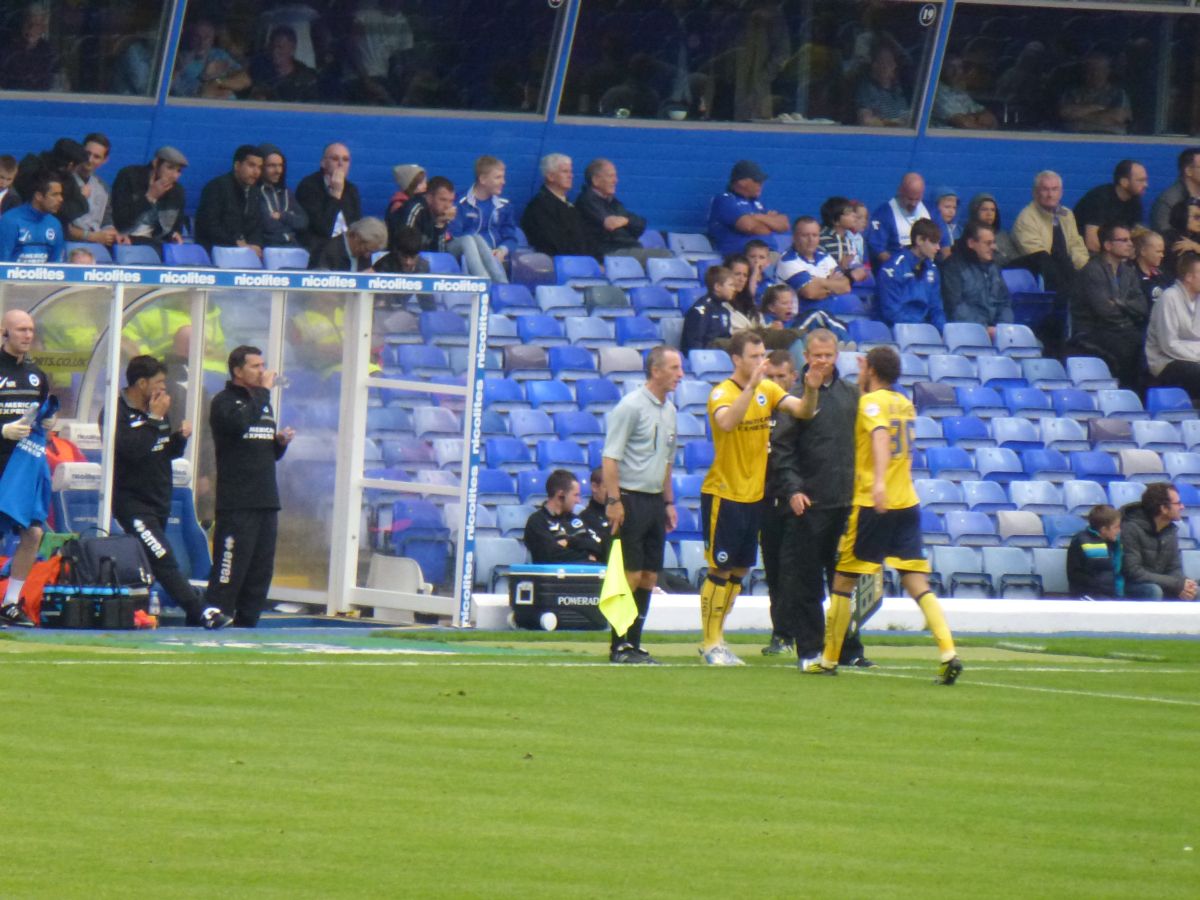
pixel 885 521
pixel 740 409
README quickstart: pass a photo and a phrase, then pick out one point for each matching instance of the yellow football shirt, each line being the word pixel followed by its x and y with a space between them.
pixel 739 469
pixel 893 411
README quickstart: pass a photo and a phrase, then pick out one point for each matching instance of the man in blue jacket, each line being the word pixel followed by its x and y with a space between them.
pixel 32 233
pixel 910 286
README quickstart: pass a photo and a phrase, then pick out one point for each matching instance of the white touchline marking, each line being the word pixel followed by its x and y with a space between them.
pixel 1047 690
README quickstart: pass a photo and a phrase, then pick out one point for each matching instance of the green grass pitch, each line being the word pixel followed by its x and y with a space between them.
pixel 503 766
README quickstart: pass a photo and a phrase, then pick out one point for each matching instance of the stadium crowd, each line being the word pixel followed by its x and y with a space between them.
pixel 1122 291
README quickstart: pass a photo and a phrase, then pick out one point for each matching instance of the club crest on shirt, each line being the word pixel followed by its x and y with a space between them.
pixel 762 399
pixel 871 409
pixel 34 381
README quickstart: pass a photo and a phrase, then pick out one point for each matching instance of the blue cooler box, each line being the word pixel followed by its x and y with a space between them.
pixel 556 596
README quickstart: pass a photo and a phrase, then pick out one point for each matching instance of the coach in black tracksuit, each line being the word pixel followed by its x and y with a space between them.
pixel 814 459
pixel 248 446
pixel 142 480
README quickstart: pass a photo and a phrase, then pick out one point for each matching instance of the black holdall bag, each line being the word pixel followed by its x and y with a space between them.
pixel 130 565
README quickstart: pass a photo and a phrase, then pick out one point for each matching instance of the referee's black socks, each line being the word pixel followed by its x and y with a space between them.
pixel 633 637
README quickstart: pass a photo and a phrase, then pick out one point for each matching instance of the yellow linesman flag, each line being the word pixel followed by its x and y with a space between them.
pixel 616 600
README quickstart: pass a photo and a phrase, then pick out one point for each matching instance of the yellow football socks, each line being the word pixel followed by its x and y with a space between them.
pixel 836 623
pixel 935 621
pixel 713 595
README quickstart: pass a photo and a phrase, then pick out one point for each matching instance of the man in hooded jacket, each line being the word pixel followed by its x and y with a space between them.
pixel 283 219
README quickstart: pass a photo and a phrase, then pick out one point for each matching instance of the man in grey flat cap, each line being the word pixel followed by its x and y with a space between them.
pixel 147 201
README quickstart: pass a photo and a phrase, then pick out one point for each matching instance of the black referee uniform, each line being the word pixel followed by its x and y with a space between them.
pixel 21 383
pixel 243 429
pixel 142 497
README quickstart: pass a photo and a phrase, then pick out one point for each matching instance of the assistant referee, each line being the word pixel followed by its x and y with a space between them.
pixel 638 452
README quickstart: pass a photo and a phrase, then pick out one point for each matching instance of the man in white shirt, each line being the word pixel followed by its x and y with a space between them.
pixel 1173 338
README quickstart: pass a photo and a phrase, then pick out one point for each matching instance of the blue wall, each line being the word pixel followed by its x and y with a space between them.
pixel 668 174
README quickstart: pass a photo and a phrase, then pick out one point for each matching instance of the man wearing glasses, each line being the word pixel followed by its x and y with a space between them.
pixel 1109 312
pixel 329 197
pixel 1152 563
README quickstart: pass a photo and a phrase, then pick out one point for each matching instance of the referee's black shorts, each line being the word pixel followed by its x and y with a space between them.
pixel 644 531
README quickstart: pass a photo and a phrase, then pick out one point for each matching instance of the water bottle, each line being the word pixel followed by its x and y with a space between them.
pixel 155 607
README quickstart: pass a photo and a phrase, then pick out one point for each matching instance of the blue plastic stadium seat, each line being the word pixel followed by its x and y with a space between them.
pixel 436 421
pixel 1080 496
pixel 418 359
pixel 1121 404
pixel 145 255
pixel 1094 465
pixel 507 454
pixel 638 332
pixel 690 428
pixel 543 330
pixel 690 246
pixel 1046 465
pixel 1110 434
pixel 1060 529
pixel 956 371
pixel 981 401
pixel 550 396
pixel 191 256
pixel 1073 403
pixel 577 426
pixel 953 463
pixel 531 425
pixel 852 306
pixel 933 529
pixel 1020 281
pixel 496 487
pixel 1182 466
pixel 578 271
pixel 444 328
pixel 692 396
pixel 590 332
pixel 918 337
pixel 1016 433
pixel 868 333
pixel 284 258
pixel 671 272
pixel 503 394
pixel 441 263
pixel 560 301
pixel 1121 493
pixel 1020 528
pixel 913 368
pixel 1017 341
pixel 596 395
pixel 513 299
pixel 697 457
pixel 654 301
pixel 1090 373
pixel 687 489
pixel 971 529
pixel 968 339
pixel 998 464
pixel 1170 403
pixel 1029 403
pixel 1064 435
pixel 531 485
pixel 571 362
pixel 712 365
pixel 927 432
pixel 652 239
pixel 523 363
pixel 502 332
pixel 1158 435
pixel 624 271
pixel 967 432
pixel 936 400
pixel 999 372
pixel 235 258
pixel 1047 374
pixel 985 496
pixel 1042 497
pixel 939 495
pixel 560 455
